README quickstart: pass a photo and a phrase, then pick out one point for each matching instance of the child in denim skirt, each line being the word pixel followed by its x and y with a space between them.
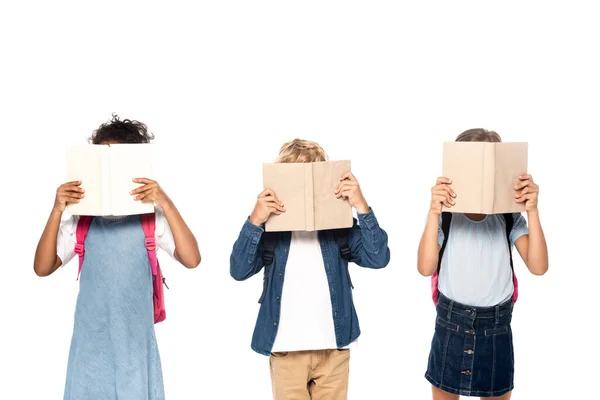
pixel 472 347
pixel 307 321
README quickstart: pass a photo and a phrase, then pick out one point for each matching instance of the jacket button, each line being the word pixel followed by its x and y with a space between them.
pixel 274 323
pixel 285 250
pixel 469 352
pixel 278 297
pixel 280 274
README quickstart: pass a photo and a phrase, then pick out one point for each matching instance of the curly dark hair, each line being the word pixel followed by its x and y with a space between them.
pixel 121 131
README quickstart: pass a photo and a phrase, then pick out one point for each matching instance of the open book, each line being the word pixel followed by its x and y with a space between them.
pixel 484 174
pixel 106 174
pixel 307 191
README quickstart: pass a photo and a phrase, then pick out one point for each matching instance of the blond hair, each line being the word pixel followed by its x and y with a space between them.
pixel 301 151
pixel 478 135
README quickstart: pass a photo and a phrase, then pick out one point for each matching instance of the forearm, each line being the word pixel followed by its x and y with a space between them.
pixel 537 251
pixel 186 246
pixel 46 261
pixel 428 254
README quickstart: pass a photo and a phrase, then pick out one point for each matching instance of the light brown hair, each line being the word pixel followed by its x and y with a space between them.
pixel 478 135
pixel 301 151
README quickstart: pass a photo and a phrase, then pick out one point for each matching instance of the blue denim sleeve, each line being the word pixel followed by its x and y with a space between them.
pixel 246 256
pixel 368 242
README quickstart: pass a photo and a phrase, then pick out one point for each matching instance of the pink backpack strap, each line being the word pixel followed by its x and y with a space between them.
pixel 83 226
pixel 149 227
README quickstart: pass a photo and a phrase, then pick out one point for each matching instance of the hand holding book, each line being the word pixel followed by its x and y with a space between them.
pixel 350 190
pixel 267 203
pixel 69 192
pixel 527 192
pixel 150 192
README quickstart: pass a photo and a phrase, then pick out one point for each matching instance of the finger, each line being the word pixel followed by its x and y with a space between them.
pixel 70 199
pixel 75 195
pixel 266 192
pixel 72 183
pixel 275 204
pixel 346 186
pixel 70 189
pixel 443 181
pixel 525 198
pixel 146 196
pixel 271 199
pixel 522 184
pixel 526 177
pixel 444 199
pixel 446 189
pixel 143 180
pixel 348 176
pixel 144 188
pixel 274 210
pixel 448 194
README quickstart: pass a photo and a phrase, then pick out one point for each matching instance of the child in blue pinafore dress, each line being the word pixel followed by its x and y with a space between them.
pixel 113 353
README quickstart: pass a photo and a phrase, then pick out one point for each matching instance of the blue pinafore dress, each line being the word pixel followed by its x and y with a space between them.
pixel 113 353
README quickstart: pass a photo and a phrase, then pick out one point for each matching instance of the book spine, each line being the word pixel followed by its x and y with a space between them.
pixel 489 177
pixel 309 197
pixel 105 180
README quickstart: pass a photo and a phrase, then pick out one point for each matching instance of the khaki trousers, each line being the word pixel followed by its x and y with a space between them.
pixel 310 375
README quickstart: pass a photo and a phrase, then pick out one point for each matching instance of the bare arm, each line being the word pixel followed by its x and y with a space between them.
pixel 532 247
pixel 427 259
pixel 46 261
pixel 186 246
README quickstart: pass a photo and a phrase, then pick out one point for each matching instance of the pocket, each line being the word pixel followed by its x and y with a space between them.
pixel 279 354
pixel 497 331
pixel 446 324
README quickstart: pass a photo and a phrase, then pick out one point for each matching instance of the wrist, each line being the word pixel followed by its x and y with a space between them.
pixel 362 208
pixel 166 204
pixel 434 213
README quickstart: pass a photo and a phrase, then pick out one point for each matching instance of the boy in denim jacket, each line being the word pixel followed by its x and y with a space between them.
pixel 307 321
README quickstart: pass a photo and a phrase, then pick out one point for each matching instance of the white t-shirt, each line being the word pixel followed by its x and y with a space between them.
pixel 475 265
pixel 67 237
pixel 306 318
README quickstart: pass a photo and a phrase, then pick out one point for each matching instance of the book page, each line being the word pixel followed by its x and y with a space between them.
pixel 287 180
pixel 84 163
pixel 330 212
pixel 511 161
pixel 126 162
pixel 464 164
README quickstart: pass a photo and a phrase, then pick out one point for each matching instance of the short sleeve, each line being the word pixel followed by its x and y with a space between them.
pixel 67 239
pixel 164 235
pixel 519 228
pixel 440 232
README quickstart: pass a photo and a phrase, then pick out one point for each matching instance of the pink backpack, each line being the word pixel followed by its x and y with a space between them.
pixel 446 220
pixel 149 227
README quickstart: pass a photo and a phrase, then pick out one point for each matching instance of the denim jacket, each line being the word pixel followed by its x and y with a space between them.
pixel 368 244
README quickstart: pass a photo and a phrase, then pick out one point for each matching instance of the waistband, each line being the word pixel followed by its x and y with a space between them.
pixel 451 306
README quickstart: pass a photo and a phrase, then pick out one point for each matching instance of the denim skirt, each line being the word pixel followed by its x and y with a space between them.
pixel 472 349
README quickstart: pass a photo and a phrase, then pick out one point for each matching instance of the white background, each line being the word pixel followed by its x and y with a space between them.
pixel 223 85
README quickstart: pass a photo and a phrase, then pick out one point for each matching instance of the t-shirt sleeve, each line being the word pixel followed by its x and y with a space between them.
pixel 440 232
pixel 519 228
pixel 67 239
pixel 164 235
